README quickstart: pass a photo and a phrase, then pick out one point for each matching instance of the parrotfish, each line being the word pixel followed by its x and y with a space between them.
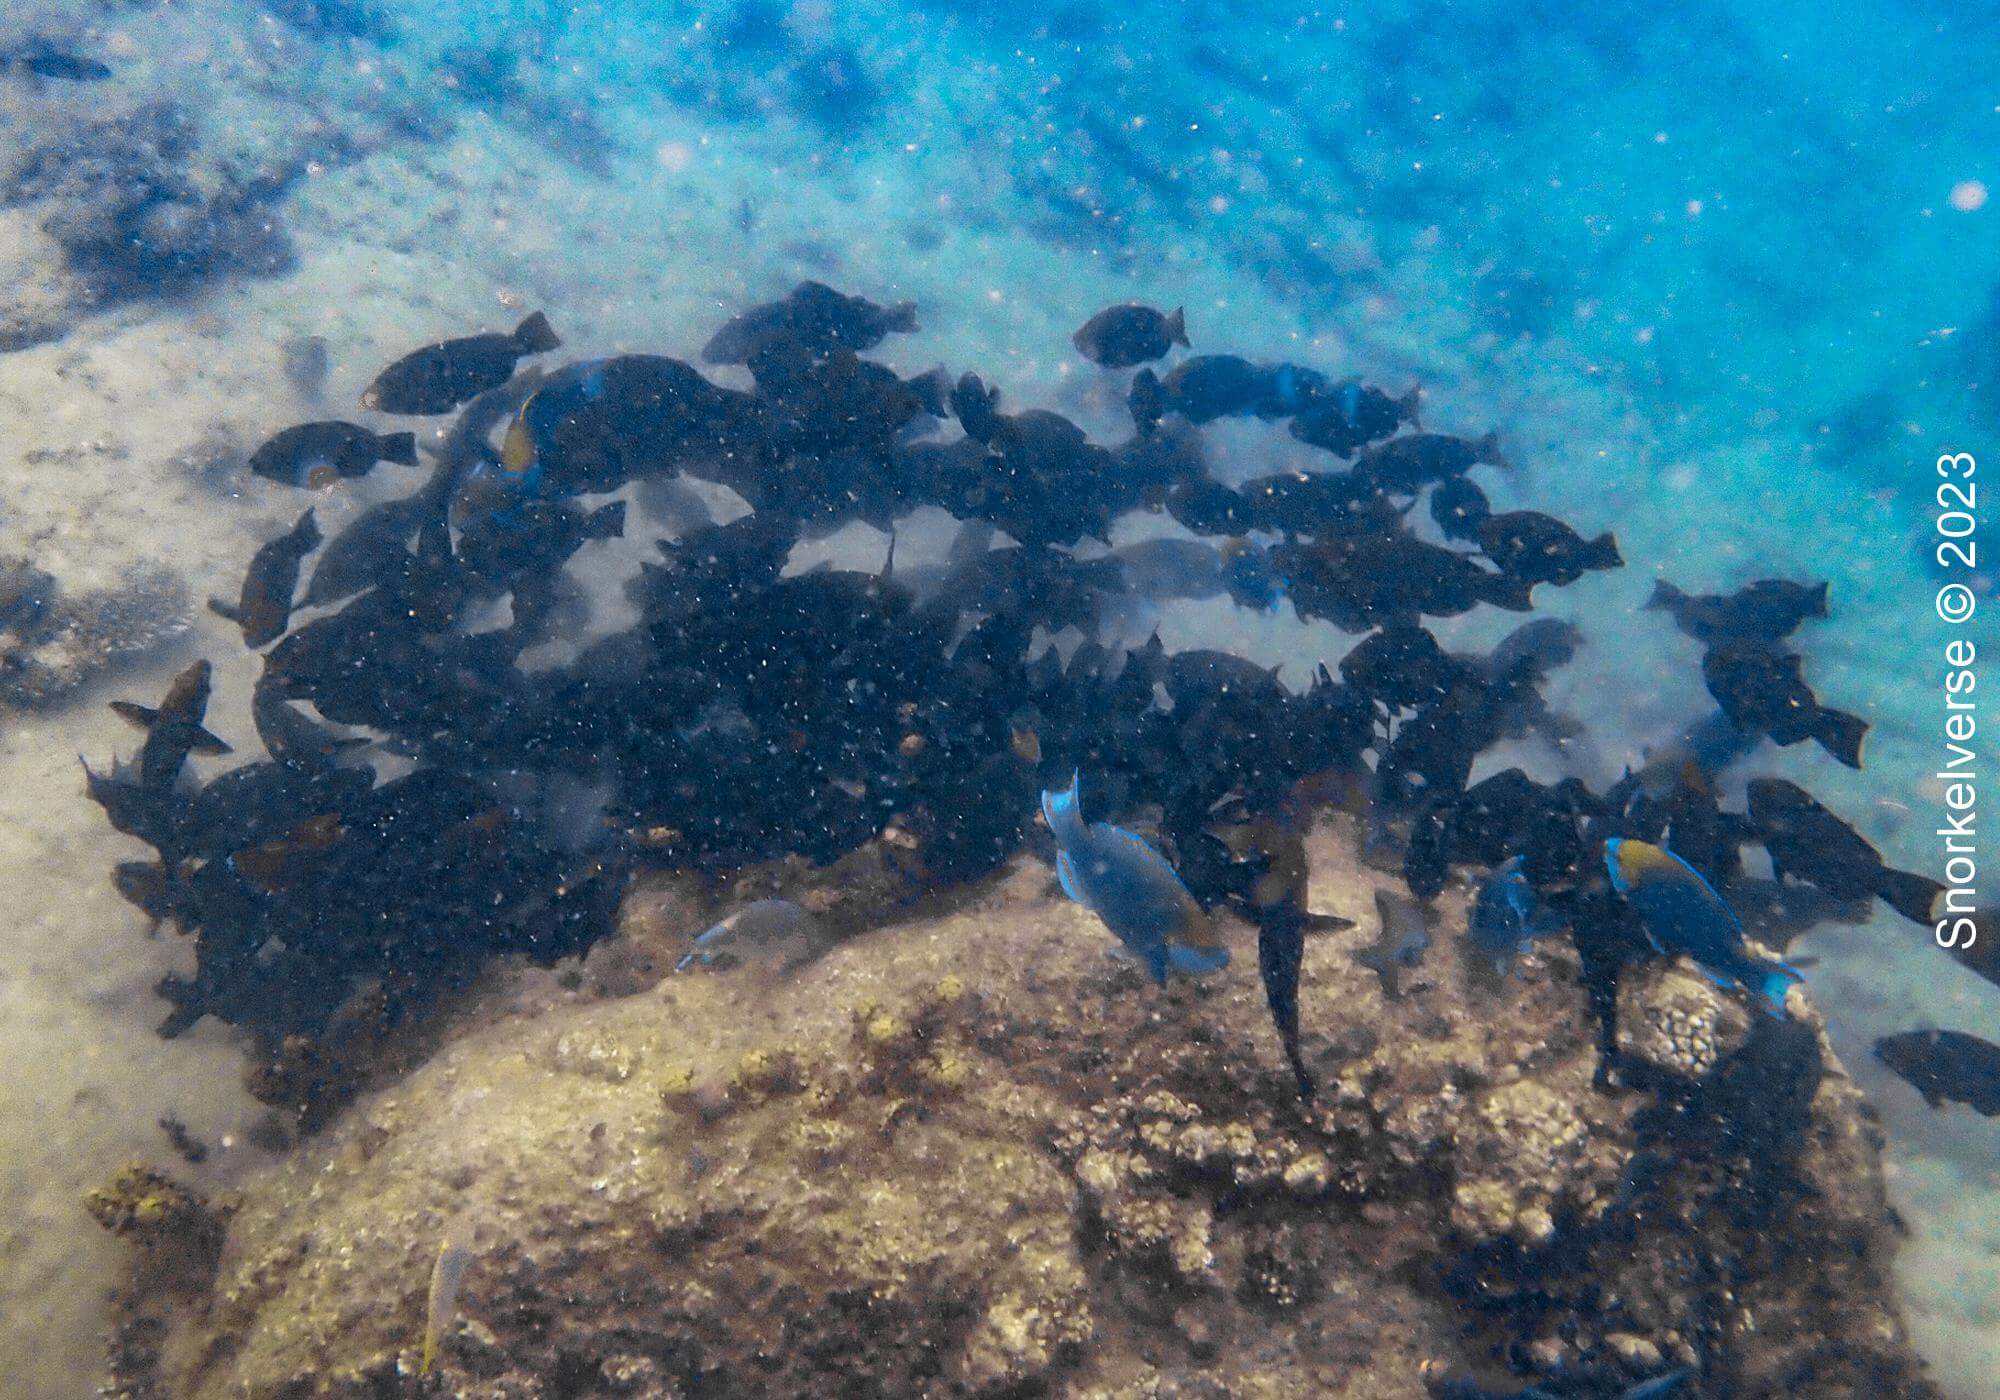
pixel 438 378
pixel 1683 914
pixel 315 455
pixel 816 317
pixel 263 608
pixel 1131 887
pixel 1120 337
pixel 1943 1065
pixel 1505 920
pixel 173 729
pixel 1768 610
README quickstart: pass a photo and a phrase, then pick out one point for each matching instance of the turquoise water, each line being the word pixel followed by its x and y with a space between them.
pixel 1722 277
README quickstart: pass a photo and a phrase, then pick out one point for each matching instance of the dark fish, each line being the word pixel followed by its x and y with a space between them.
pixel 1208 387
pixel 1683 914
pixel 1762 691
pixel 45 60
pixel 815 316
pixel 1946 1065
pixel 1545 643
pixel 1766 611
pixel 370 548
pixel 292 740
pixel 1402 667
pixel 1400 946
pixel 1365 581
pixel 1120 337
pixel 173 730
pixel 1810 843
pixel 1459 507
pixel 1147 402
pixel 147 884
pixel 438 378
pixel 1405 465
pixel 150 812
pixel 1345 417
pixel 316 455
pixel 264 607
pixel 1538 548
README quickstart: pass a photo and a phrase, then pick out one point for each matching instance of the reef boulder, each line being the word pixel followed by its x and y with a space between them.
pixel 972 1153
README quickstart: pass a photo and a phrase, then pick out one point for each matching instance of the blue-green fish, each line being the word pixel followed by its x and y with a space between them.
pixel 1125 882
pixel 1684 914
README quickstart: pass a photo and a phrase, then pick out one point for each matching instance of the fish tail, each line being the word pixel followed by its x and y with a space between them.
pixel 1817 608
pixel 1408 405
pixel 1665 595
pixel 1841 735
pixel 1488 451
pixel 535 335
pixel 220 609
pixel 1062 812
pixel 903 317
pixel 1177 327
pixel 1908 894
pixel 606 522
pixel 1774 980
pixel 1602 553
pixel 400 448
pixel 306 532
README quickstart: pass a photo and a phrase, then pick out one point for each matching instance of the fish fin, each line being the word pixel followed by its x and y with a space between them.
pixel 144 716
pixel 535 335
pixel 605 523
pixel 903 317
pixel 1602 553
pixel 1775 980
pixel 1841 734
pixel 222 610
pixel 1818 605
pixel 1177 327
pixel 400 448
pixel 307 531
pixel 1066 877
pixel 1488 451
pixel 1665 595
pixel 205 742
pixel 1196 961
pixel 1061 810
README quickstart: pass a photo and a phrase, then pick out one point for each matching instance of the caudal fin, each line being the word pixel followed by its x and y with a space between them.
pixel 1909 894
pixel 535 335
pixel 1509 593
pixel 1665 595
pixel 1063 812
pixel 1841 734
pixel 400 448
pixel 1177 327
pixel 1775 981
pixel 1602 553
pixel 903 317
pixel 1488 451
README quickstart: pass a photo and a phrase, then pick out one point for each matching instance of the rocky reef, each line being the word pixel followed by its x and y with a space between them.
pixel 967 1152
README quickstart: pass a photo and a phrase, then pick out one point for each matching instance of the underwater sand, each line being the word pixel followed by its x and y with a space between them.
pixel 1675 392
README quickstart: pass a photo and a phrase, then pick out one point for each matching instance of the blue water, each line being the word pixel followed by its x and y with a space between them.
pixel 1723 276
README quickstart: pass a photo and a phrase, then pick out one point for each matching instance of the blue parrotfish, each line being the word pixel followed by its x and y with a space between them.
pixel 1131 887
pixel 1684 914
pixel 1505 917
